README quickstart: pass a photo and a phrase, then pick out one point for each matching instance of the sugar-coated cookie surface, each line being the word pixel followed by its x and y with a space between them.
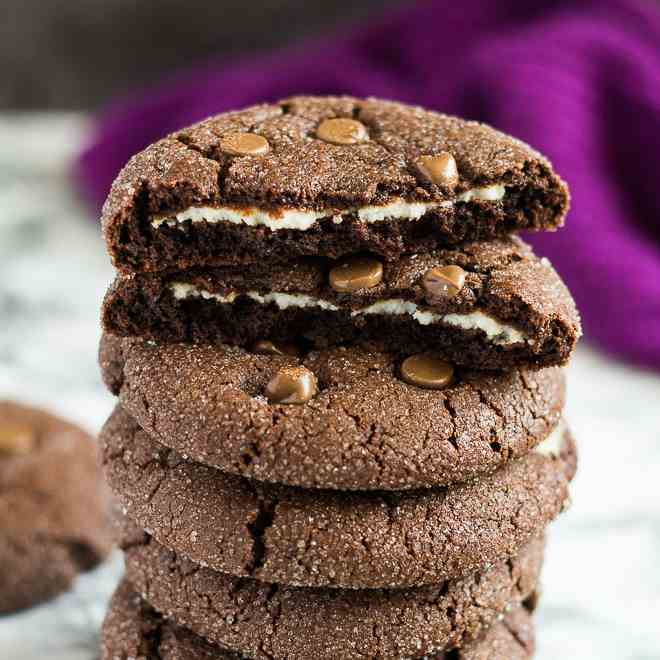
pixel 364 428
pixel 324 176
pixel 54 509
pixel 330 538
pixel 133 630
pixel 490 305
pixel 262 620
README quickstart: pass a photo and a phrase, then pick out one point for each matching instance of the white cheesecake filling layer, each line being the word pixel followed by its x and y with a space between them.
pixel 552 445
pixel 182 290
pixel 496 332
pixel 302 219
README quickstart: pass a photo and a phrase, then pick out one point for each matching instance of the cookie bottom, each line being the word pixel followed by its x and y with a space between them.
pixel 136 245
pixel 506 288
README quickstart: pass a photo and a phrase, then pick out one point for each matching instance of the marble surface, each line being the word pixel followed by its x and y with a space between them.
pixel 601 597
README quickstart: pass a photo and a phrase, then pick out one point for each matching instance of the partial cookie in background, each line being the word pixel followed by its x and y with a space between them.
pixel 485 305
pixel 365 428
pixel 54 513
pixel 134 630
pixel 262 620
pixel 324 176
pixel 330 538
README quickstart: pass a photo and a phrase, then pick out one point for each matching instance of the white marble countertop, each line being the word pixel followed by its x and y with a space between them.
pixel 601 597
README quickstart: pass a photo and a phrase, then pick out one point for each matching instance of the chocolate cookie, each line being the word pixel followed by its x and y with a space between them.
pixel 53 508
pixel 329 538
pixel 324 176
pixel 261 620
pixel 133 630
pixel 365 428
pixel 485 305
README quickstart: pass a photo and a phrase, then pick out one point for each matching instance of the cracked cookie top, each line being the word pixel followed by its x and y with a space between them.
pixel 324 175
pixel 327 538
pixel 365 428
pixel 133 629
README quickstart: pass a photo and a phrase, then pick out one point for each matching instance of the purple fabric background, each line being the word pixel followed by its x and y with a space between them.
pixel 578 80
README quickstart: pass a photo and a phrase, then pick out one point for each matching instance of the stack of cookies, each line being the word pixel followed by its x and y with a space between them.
pixel 339 432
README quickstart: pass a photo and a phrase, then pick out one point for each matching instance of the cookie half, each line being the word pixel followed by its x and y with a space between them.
pixel 485 305
pixel 329 538
pixel 324 176
pixel 261 620
pixel 53 507
pixel 366 428
pixel 133 630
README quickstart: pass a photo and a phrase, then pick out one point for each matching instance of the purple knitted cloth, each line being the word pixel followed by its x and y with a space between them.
pixel 579 81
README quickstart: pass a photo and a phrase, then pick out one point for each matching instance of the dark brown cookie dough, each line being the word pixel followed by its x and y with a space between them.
pixel 262 620
pixel 53 507
pixel 302 171
pixel 329 538
pixel 502 280
pixel 133 630
pixel 365 429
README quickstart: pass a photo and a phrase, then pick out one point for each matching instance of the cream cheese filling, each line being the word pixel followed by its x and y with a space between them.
pixel 552 445
pixel 302 219
pixel 496 332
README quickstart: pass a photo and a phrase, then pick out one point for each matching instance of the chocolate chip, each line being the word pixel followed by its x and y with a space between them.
pixel 268 347
pixel 244 144
pixel 356 273
pixel 16 440
pixel 427 371
pixel 292 385
pixel 342 131
pixel 443 282
pixel 439 169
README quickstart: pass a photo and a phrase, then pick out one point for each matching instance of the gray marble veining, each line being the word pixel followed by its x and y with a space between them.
pixel 601 596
